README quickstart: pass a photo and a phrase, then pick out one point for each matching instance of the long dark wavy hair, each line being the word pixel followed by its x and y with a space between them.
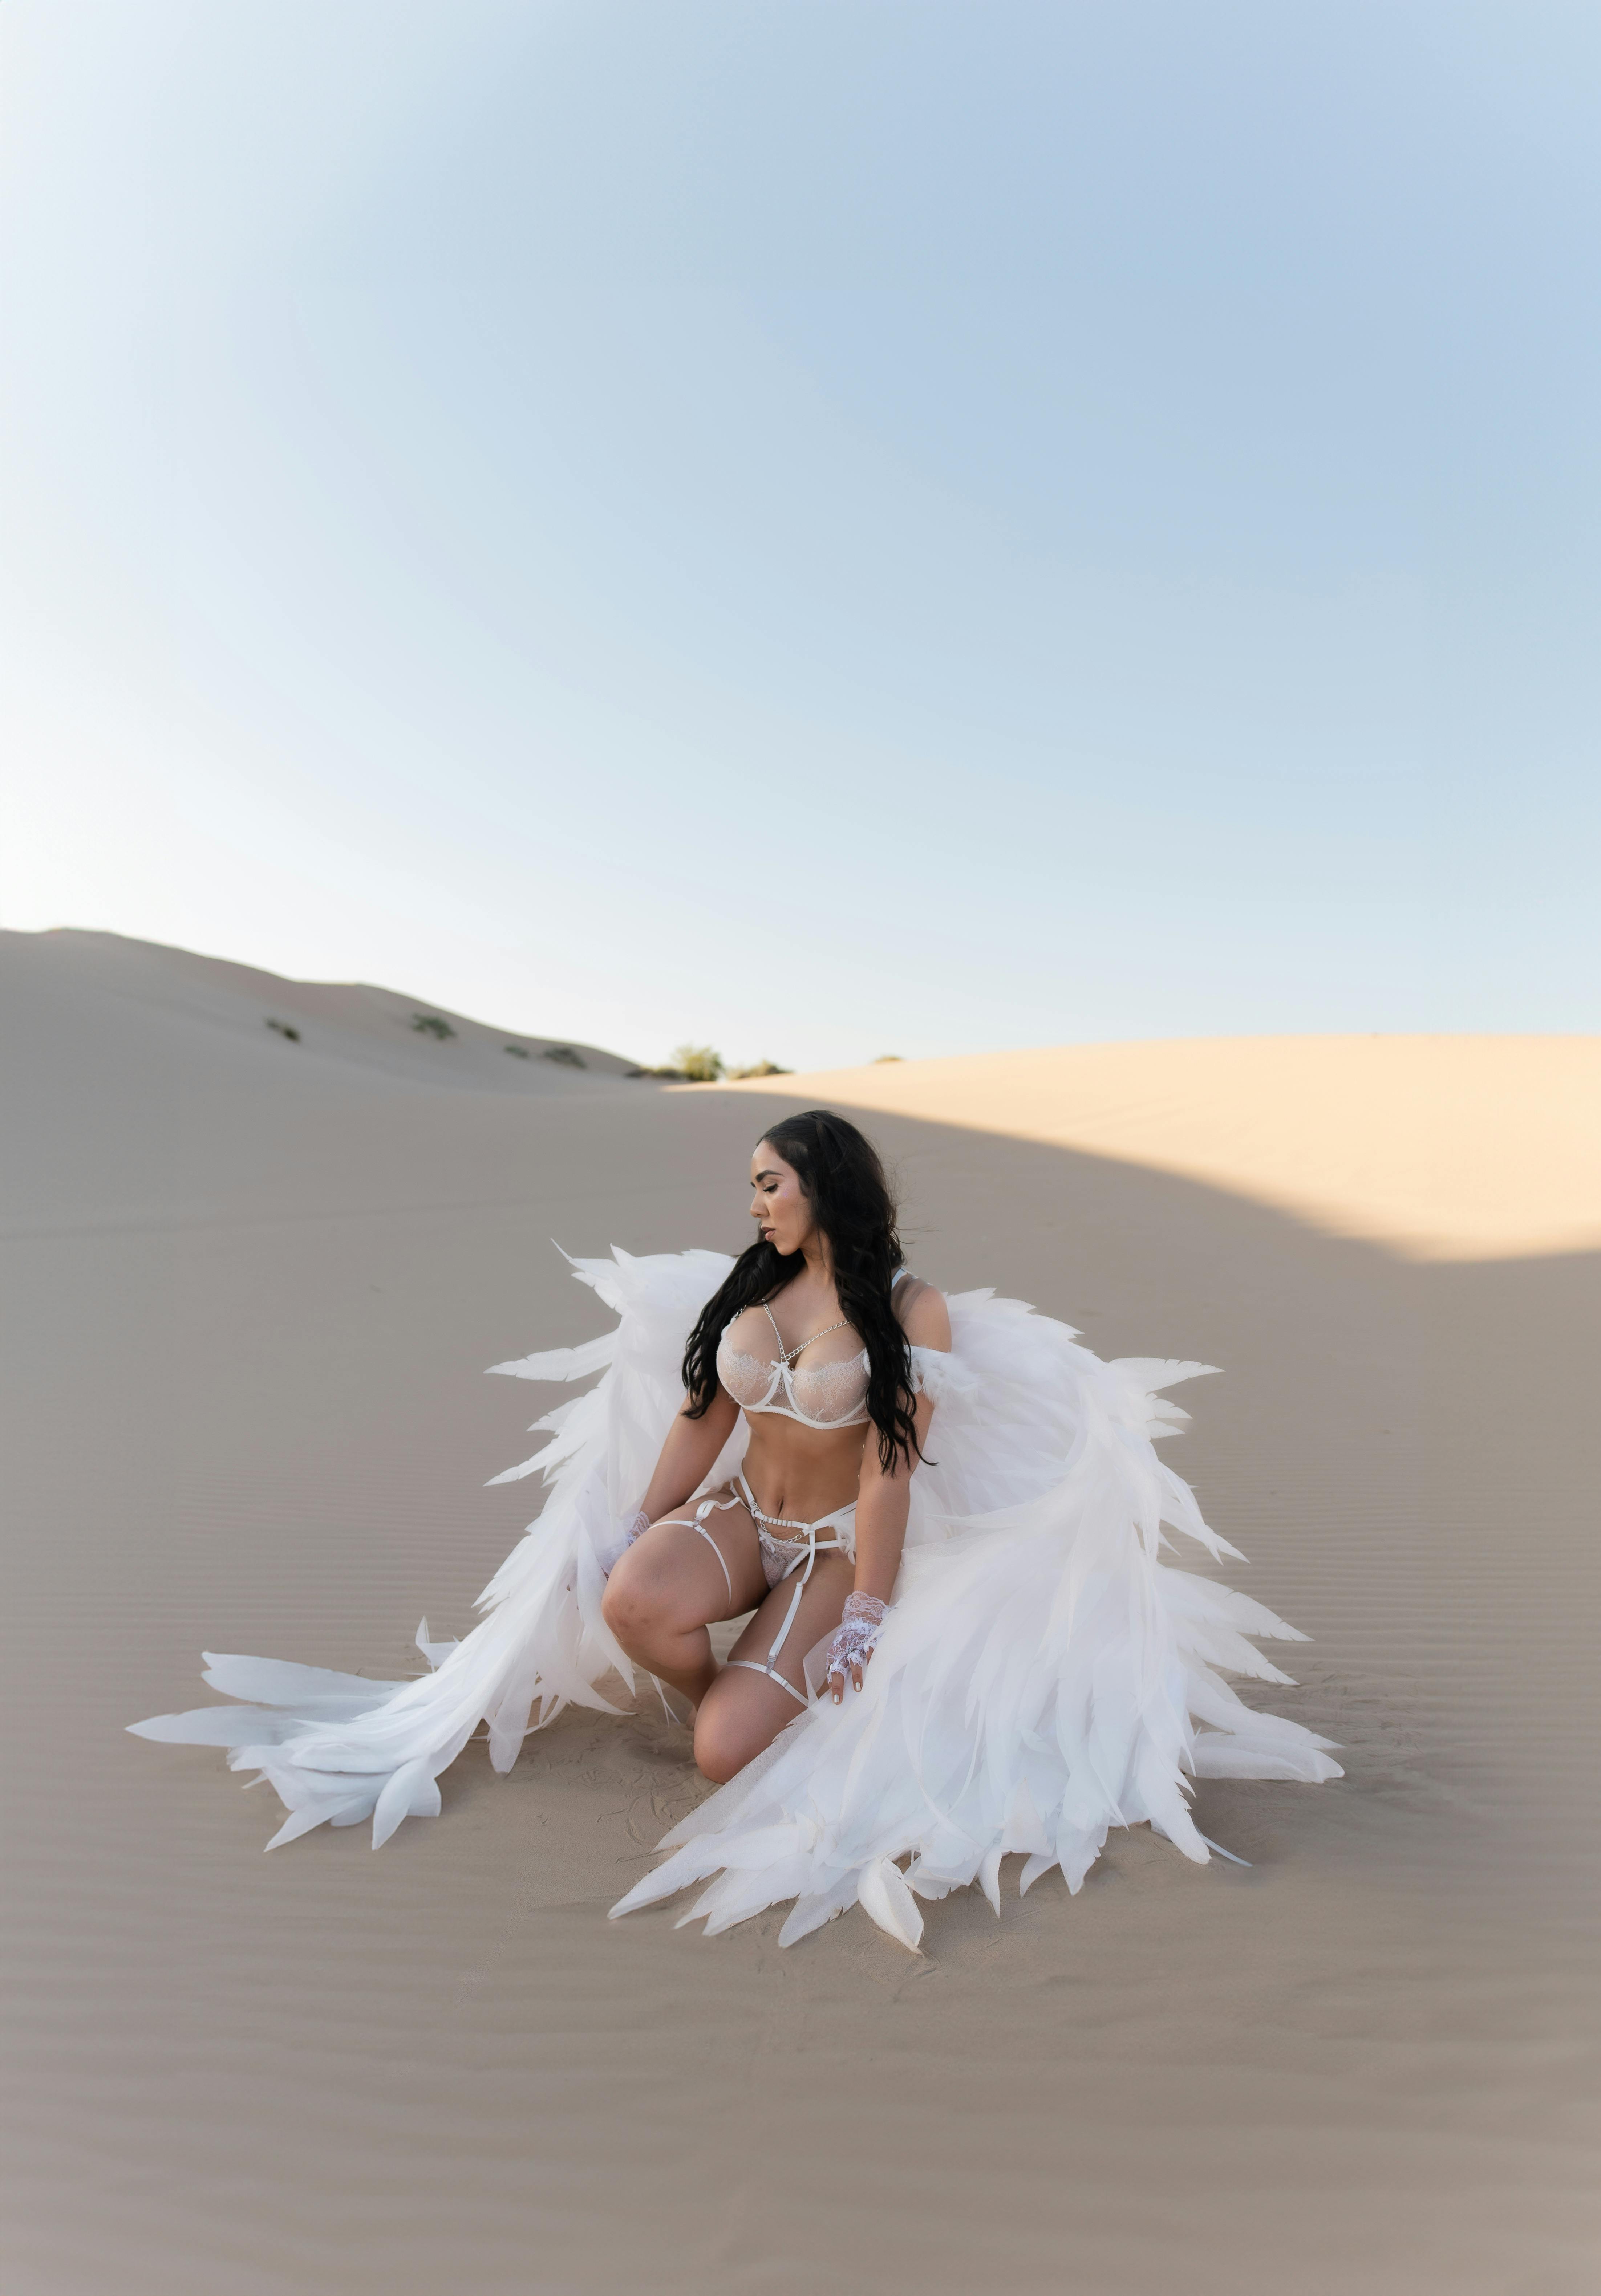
pixel 840 1171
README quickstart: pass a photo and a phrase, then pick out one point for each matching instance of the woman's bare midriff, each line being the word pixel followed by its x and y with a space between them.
pixel 801 1473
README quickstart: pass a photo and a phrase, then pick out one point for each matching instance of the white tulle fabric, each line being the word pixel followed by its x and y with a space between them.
pixel 1043 1675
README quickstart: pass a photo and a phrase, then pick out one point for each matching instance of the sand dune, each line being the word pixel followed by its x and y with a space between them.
pixel 85 978
pixel 1443 1147
pixel 148 1085
pixel 250 1298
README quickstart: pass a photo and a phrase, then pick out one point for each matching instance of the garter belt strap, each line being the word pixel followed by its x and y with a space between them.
pixel 803 1563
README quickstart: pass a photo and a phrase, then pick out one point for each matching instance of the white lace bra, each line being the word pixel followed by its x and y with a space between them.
pixel 833 1394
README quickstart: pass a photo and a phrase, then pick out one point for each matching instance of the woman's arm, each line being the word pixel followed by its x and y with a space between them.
pixel 884 1494
pixel 687 1456
pixel 883 1501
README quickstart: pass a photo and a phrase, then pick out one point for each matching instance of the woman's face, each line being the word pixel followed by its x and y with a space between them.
pixel 779 1205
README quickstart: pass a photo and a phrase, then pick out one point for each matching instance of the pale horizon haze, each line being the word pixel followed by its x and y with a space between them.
pixel 826 529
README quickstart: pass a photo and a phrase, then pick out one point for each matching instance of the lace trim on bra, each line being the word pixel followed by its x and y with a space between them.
pixel 838 1391
pixel 835 1392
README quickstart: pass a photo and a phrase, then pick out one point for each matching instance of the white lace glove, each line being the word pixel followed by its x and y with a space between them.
pixel 853 1645
pixel 611 1550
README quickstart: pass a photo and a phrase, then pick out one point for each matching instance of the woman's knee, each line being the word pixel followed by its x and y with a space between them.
pixel 629 1606
pixel 639 1600
pixel 726 1738
pixel 719 1753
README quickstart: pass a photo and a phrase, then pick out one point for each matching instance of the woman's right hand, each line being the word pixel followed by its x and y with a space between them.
pixel 611 1550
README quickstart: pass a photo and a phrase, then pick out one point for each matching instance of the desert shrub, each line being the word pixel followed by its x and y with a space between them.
pixel 518 1051
pixel 697 1064
pixel 761 1067
pixel 431 1024
pixel 565 1057
pixel 884 1060
pixel 283 1028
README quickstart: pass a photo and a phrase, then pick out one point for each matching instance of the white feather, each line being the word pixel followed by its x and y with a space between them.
pixel 1043 1675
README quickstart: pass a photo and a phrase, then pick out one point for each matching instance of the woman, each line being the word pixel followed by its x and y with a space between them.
pixel 1012 1664
pixel 810 1336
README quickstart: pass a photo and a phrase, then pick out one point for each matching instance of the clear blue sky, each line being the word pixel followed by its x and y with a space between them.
pixel 830 526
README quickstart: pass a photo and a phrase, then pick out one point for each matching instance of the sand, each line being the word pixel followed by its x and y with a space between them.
pixel 250 1289
pixel 1440 1147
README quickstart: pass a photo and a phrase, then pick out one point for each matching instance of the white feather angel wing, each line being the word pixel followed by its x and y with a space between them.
pixel 1043 1675
pixel 340 1749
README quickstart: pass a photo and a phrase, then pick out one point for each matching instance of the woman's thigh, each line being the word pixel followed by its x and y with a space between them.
pixel 690 1577
pixel 744 1711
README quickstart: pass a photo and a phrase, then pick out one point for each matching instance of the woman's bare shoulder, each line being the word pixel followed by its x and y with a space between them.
pixel 923 1314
